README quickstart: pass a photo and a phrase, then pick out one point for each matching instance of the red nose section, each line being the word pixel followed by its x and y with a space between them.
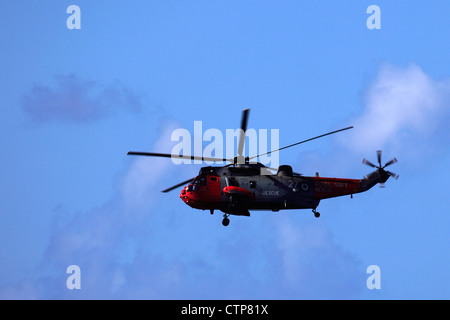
pixel 189 197
pixel 202 193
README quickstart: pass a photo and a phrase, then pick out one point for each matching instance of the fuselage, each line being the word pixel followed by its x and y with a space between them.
pixel 238 189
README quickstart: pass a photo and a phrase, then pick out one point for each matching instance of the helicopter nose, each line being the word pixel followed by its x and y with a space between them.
pixel 188 196
pixel 183 194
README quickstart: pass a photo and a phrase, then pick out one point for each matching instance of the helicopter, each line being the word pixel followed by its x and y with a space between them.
pixel 243 185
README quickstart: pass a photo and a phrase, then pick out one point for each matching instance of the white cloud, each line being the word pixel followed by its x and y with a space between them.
pixel 76 100
pixel 402 107
pixel 107 240
pixel 146 173
pixel 312 265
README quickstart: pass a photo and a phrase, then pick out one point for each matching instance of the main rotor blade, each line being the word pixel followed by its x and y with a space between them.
pixel 322 135
pixel 168 155
pixel 244 121
pixel 178 185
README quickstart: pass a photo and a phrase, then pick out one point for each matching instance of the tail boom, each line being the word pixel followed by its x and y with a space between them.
pixel 325 188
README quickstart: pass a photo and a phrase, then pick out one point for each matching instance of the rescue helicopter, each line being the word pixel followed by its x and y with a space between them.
pixel 244 185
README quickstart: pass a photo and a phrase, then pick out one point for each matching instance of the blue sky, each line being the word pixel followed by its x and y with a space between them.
pixel 73 102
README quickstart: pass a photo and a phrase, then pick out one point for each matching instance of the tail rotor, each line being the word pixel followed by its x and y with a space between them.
pixel 380 167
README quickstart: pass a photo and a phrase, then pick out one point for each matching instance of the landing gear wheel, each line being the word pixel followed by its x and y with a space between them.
pixel 316 214
pixel 225 221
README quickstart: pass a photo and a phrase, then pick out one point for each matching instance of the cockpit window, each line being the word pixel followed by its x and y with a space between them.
pixel 200 181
